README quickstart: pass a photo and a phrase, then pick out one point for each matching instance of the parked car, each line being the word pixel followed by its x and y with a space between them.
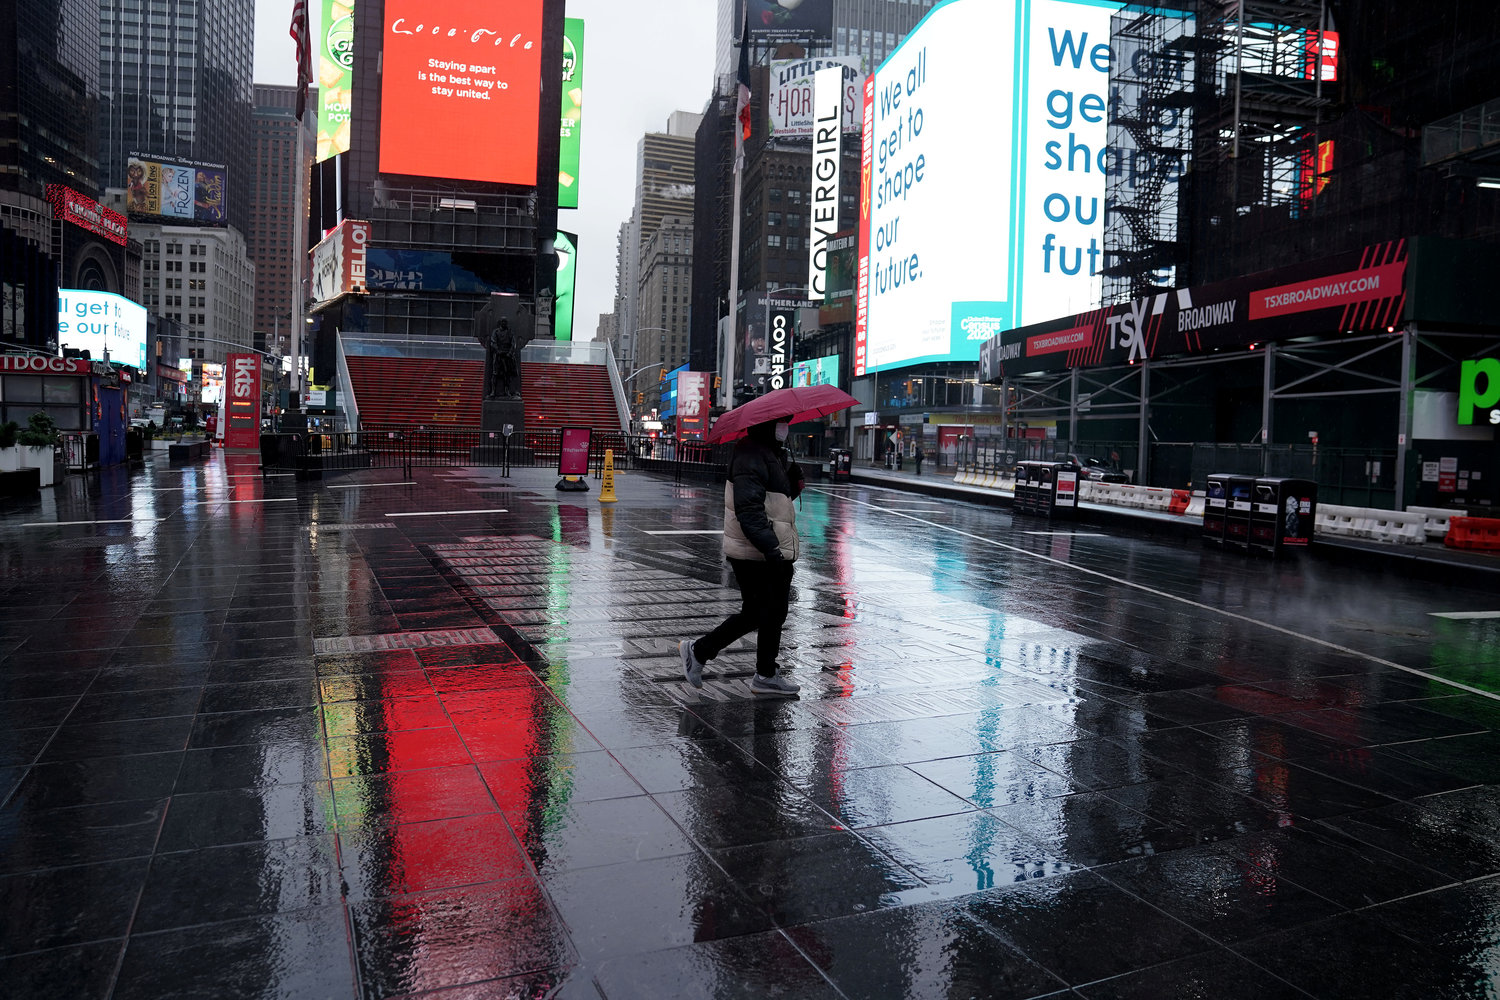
pixel 1098 470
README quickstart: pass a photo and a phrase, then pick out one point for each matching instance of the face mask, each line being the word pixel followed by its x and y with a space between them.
pixel 782 430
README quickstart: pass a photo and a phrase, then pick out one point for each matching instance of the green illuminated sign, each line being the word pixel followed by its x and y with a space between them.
pixel 335 77
pixel 567 256
pixel 572 114
pixel 1470 397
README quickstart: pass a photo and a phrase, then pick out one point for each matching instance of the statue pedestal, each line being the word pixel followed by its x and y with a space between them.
pixel 499 412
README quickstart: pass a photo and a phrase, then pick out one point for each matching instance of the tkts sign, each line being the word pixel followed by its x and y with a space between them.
pixel 242 402
pixel 1358 291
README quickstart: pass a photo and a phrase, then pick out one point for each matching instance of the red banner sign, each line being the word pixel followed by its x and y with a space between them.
pixel 44 364
pixel 86 213
pixel 573 459
pixel 242 402
pixel 1334 290
pixel 1073 339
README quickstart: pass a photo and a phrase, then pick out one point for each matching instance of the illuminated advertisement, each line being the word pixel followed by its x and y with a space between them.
pixel 104 324
pixel 172 189
pixel 242 403
pixel 213 383
pixel 335 77
pixel 340 262
pixel 573 455
pixel 86 213
pixel 570 151
pixel 398 270
pixel 816 371
pixel 983 179
pixel 1358 291
pixel 823 199
pixel 692 405
pixel 1471 398
pixel 789 100
pixel 461 89
pixel 772 22
pixel 838 299
pixel 567 271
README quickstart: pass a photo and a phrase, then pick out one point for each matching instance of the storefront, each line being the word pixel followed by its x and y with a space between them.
pixel 1345 370
pixel 81 397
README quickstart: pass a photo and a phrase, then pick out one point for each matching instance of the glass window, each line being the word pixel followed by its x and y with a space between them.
pixel 62 390
pixel 23 389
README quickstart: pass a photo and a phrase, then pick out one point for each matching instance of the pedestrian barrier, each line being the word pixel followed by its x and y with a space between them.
pixel 1154 498
pixel 1181 500
pixel 1437 519
pixel 1397 527
pixel 1477 533
pixel 1334 519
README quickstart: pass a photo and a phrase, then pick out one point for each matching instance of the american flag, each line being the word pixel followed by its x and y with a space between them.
pixel 302 35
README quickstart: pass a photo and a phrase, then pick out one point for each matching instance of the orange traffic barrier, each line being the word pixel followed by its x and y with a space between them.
pixel 1180 501
pixel 1481 533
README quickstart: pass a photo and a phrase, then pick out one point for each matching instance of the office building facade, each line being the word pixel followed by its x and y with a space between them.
pixel 175 84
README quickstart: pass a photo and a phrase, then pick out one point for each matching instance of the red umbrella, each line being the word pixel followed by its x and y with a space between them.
pixel 793 404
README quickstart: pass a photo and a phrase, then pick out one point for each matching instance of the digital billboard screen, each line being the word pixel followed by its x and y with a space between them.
pixel 567 273
pixel 982 180
pixel 176 189
pixel 335 77
pixel 461 88
pixel 570 151
pixel 776 21
pixel 816 371
pixel 102 321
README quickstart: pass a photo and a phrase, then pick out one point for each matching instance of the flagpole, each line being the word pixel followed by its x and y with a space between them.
pixel 742 116
pixel 734 273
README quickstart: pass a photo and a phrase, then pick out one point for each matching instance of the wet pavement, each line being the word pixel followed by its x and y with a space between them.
pixel 370 738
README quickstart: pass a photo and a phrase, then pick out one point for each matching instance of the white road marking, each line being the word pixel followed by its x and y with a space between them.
pixel 120 520
pixel 1465 615
pixel 439 513
pixel 704 531
pixel 363 486
pixel 1074 534
pixel 215 503
pixel 1183 600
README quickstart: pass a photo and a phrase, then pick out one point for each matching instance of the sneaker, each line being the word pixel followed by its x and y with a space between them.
pixel 691 668
pixel 777 685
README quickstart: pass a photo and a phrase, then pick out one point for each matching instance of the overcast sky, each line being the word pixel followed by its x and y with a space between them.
pixel 641 62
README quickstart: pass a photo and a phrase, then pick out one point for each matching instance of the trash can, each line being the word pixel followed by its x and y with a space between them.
pixel 1046 489
pixel 1215 508
pixel 1283 514
pixel 1237 519
pixel 1065 491
pixel 1025 487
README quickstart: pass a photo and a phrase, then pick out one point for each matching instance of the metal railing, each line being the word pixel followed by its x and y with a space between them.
pixel 345 387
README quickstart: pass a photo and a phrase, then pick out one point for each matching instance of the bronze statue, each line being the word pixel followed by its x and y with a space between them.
pixel 502 358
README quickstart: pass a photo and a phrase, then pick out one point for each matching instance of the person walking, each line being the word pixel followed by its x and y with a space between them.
pixel 918 455
pixel 760 542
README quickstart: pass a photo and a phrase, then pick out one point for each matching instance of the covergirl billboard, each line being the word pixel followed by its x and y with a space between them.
pixel 461 89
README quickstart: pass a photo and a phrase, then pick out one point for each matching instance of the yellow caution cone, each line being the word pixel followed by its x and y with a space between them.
pixel 607 494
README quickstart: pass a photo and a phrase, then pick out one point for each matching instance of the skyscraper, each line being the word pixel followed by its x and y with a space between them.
pixel 175 84
pixel 49 88
pixel 277 239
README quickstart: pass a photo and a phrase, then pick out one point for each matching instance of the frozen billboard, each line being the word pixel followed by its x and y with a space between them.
pixel 983 178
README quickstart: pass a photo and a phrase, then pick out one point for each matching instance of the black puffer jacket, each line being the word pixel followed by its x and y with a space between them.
pixel 760 522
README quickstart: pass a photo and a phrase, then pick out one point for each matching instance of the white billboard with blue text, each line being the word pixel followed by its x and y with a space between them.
pixel 983 178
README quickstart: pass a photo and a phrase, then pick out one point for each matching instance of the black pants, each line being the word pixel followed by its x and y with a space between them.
pixel 765 593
